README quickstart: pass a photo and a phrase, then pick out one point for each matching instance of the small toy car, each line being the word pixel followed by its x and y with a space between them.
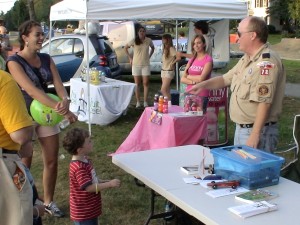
pixel 224 184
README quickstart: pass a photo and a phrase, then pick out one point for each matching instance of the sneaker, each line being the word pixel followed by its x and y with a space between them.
pixel 169 208
pixel 138 105
pixel 145 104
pixel 53 210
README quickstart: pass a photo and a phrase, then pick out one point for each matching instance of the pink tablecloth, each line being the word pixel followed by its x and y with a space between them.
pixel 173 131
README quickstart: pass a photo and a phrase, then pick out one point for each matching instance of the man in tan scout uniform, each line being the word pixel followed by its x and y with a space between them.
pixel 257 84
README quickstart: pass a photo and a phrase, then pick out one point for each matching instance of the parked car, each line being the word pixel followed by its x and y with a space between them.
pixel 69 53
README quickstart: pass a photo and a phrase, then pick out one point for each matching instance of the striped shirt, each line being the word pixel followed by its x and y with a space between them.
pixel 83 205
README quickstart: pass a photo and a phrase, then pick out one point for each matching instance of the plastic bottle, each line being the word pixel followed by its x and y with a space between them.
pixel 102 75
pixel 65 122
pixel 221 125
pixel 83 74
pixel 94 76
pixel 160 103
pixel 165 105
pixel 155 102
pixel 212 123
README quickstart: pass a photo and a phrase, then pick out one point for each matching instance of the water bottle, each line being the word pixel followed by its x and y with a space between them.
pixel 221 125
pixel 155 102
pixel 102 76
pixel 64 124
pixel 83 74
pixel 165 105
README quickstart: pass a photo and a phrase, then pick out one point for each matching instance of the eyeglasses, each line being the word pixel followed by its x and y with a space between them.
pixel 240 33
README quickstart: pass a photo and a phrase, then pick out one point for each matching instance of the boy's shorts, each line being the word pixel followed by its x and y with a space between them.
pixel 141 71
pixel 167 74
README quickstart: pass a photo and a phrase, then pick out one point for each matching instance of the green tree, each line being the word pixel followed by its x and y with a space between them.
pixel 294 9
pixel 17 15
pixel 280 9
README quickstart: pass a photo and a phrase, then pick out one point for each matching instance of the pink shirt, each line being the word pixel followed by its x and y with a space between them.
pixel 196 70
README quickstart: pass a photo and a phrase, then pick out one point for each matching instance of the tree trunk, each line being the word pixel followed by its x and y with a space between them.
pixel 31 10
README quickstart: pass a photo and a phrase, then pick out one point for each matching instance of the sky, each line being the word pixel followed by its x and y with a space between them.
pixel 6 5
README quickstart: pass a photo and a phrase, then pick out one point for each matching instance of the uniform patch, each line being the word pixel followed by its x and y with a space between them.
pixel 263 90
pixel 250 71
pixel 265 65
pixel 264 72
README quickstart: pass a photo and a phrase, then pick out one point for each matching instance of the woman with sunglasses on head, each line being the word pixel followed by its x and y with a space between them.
pixel 34 71
pixel 140 62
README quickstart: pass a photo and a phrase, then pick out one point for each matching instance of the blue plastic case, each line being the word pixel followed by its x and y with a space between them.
pixel 252 167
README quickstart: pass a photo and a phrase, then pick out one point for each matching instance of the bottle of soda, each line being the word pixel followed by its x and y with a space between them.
pixel 155 102
pixel 165 105
pixel 160 103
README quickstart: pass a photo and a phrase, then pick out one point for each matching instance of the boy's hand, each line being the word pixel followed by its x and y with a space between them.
pixel 115 183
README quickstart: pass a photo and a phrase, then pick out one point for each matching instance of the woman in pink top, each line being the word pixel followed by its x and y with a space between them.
pixel 199 68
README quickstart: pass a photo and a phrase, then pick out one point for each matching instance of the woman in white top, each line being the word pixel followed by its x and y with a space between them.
pixel 140 62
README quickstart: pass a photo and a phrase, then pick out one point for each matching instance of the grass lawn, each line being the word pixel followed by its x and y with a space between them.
pixel 128 205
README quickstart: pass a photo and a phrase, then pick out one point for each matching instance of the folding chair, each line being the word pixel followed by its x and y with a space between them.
pixel 291 168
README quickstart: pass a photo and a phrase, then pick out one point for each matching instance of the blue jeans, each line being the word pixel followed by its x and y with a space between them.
pixel 268 139
pixel 87 222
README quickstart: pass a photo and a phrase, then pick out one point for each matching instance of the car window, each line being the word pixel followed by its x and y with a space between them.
pixel 62 46
pixel 107 48
pixel 78 46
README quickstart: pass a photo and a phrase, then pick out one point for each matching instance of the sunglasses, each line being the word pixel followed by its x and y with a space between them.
pixel 240 33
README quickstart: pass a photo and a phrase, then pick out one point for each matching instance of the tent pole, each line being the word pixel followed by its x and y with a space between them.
pixel 176 72
pixel 88 75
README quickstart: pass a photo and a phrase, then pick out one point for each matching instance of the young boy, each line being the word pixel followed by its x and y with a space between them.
pixel 85 187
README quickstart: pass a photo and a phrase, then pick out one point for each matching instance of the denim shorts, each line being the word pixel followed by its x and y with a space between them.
pixel 268 139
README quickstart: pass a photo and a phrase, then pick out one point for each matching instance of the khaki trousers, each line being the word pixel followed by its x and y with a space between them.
pixel 15 205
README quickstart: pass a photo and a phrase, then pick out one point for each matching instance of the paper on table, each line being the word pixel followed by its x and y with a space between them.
pixel 225 191
pixel 252 209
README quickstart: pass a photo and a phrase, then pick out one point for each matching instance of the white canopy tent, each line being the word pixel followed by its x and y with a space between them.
pixel 155 9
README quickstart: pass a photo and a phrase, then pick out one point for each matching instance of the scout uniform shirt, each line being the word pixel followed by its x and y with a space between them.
pixel 168 63
pixel 253 81
pixel 141 55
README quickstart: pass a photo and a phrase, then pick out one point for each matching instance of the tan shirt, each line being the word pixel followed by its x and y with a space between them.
pixel 253 81
pixel 169 62
pixel 141 55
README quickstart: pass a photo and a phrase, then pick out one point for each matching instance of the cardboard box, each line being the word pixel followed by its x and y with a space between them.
pixel 252 167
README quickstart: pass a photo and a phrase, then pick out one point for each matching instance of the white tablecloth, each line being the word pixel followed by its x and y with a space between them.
pixel 108 100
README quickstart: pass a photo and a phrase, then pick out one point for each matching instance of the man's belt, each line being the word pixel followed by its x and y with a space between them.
pixel 251 125
pixel 6 151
